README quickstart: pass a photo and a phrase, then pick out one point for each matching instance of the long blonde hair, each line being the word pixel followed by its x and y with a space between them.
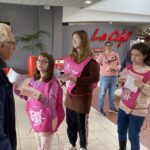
pixel 85 46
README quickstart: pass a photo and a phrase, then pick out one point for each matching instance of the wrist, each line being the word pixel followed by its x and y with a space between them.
pixel 75 79
pixel 142 86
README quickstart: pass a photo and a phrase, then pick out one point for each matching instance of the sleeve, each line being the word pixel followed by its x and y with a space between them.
pixel 51 99
pixel 118 62
pixel 93 76
pixel 99 59
pixel 118 65
pixel 17 92
pixel 27 82
pixel 146 88
pixel 4 142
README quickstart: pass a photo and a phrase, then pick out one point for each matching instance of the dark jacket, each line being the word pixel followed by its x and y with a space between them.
pixel 2 64
pixel 127 60
pixel 7 115
pixel 82 104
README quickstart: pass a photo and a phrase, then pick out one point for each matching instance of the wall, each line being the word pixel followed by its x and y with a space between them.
pixel 29 19
pixel 90 28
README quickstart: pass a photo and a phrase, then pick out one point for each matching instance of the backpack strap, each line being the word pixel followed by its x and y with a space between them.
pixel 129 66
pixel 147 76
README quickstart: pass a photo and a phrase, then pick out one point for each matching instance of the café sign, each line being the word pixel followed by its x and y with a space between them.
pixel 116 36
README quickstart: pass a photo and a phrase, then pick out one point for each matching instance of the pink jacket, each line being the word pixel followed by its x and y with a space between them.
pixel 109 64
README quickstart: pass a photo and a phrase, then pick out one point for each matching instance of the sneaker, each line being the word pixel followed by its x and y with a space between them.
pixel 102 112
pixel 113 110
pixel 70 147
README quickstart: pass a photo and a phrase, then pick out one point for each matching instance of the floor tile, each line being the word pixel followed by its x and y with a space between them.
pixel 102 132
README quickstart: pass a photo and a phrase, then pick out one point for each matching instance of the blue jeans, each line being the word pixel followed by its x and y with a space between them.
pixel 131 124
pixel 107 82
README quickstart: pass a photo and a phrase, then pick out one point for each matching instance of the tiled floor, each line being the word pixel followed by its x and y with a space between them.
pixel 102 132
pixel 145 131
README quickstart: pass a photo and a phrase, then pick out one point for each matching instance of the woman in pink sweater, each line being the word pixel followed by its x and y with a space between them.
pixel 135 99
pixel 109 62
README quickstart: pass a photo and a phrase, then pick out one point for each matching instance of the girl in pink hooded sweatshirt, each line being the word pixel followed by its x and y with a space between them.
pixel 41 106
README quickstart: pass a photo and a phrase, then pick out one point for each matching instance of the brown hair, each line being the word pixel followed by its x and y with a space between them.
pixel 108 42
pixel 144 49
pixel 85 46
pixel 50 69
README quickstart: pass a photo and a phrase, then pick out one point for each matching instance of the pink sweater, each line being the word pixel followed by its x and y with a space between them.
pixel 109 64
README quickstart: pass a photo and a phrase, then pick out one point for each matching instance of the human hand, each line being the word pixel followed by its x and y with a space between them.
pixel 139 84
pixel 110 68
pixel 30 92
pixel 54 123
pixel 72 78
pixel 15 87
pixel 121 80
pixel 41 96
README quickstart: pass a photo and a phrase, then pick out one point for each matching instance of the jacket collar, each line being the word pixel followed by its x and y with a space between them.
pixel 2 64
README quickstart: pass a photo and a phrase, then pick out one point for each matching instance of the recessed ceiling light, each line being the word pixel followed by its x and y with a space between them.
pixel 88 2
pixel 47 7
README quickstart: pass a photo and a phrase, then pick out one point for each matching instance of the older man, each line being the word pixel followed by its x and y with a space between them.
pixel 7 107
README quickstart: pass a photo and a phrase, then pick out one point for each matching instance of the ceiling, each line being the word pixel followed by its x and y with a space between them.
pixel 65 3
pixel 103 7
pixel 136 8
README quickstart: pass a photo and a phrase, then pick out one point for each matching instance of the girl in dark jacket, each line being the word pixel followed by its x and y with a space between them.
pixel 82 74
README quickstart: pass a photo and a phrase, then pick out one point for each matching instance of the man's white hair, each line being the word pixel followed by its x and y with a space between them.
pixel 4 28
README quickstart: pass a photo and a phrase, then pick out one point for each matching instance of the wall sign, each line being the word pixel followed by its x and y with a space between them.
pixel 114 36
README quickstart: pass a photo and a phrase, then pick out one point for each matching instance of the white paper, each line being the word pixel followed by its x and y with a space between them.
pixel 130 79
pixel 14 76
pixel 130 83
pixel 118 92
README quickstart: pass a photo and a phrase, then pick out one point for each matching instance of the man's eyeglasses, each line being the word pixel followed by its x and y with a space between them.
pixel 41 61
pixel 11 42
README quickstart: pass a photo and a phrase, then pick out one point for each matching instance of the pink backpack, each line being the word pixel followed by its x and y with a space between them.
pixel 132 96
pixel 40 115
